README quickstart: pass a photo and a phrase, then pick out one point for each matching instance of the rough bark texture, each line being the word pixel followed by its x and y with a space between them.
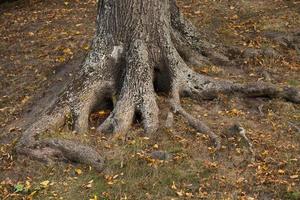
pixel 139 47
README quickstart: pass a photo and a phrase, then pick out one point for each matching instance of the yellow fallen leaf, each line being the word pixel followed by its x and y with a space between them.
pixel 174 186
pixel 45 183
pixel 61 59
pixel 78 171
pixel 155 146
pixel 131 142
pixel 25 99
pixel 27 185
pixel 86 47
pixel 68 51
pixel 110 182
pixel 180 193
pixel 94 198
pixel 102 113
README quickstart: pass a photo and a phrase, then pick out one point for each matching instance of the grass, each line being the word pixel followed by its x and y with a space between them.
pixel 127 170
pixel 293 82
pixel 292 196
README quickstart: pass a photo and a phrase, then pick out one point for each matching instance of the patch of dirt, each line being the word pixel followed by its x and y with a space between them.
pixel 41 41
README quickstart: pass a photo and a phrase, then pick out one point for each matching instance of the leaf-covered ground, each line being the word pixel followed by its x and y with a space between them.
pixel 38 39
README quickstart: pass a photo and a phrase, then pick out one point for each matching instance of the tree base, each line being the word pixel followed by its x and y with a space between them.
pixel 130 71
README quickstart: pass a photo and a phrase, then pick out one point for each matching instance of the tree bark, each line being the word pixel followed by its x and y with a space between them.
pixel 140 47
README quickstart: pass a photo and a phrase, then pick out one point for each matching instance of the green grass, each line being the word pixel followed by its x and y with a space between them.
pixel 292 195
pixel 293 82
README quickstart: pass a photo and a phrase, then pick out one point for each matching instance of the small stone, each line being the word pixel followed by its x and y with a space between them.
pixel 251 53
pixel 160 155
pixel 270 53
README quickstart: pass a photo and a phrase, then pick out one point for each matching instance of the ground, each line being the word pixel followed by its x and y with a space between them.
pixel 42 40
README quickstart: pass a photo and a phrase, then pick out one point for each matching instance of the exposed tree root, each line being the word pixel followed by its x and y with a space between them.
pixel 49 149
pixel 125 64
pixel 197 124
pixel 76 152
pixel 291 40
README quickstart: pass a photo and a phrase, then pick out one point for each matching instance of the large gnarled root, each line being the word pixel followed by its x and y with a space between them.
pixel 72 108
pixel 49 149
pixel 76 152
pixel 137 94
pixel 204 87
pixel 76 112
pixel 45 123
pixel 186 82
pixel 179 71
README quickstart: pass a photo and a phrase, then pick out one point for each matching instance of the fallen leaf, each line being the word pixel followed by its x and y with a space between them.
pixel 174 186
pixel 294 176
pixel 180 193
pixel 94 198
pixel 45 183
pixel 78 171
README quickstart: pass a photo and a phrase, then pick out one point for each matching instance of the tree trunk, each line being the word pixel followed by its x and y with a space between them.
pixel 139 47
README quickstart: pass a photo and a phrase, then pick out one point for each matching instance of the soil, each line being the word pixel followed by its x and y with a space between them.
pixel 42 43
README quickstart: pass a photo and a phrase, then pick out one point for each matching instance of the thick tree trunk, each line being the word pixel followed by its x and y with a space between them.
pixel 140 46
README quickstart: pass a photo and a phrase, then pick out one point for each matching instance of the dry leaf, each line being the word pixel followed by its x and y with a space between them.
pixel 45 183
pixel 78 171
pixel 294 176
pixel 174 186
